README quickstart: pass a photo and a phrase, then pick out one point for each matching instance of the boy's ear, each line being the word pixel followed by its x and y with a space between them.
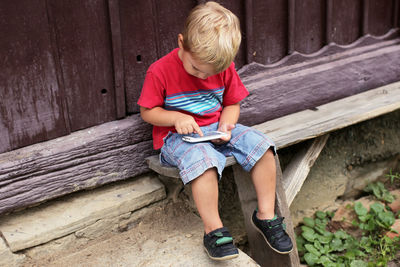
pixel 180 41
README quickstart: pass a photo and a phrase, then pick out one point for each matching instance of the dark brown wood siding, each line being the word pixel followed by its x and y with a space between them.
pixel 31 100
pixel 69 65
pixel 84 51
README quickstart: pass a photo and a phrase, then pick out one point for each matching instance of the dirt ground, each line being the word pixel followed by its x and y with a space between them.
pixel 153 227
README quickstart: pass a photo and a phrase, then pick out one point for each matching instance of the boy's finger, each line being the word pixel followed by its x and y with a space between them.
pixel 230 127
pixel 198 130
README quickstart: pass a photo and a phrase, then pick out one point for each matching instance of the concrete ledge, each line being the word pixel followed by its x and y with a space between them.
pixel 56 219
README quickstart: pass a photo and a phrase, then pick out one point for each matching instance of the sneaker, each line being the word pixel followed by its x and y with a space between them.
pixel 219 245
pixel 274 233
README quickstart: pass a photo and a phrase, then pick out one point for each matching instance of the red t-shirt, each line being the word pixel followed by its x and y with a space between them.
pixel 169 86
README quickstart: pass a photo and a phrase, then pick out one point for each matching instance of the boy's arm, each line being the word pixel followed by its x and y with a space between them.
pixel 229 117
pixel 158 116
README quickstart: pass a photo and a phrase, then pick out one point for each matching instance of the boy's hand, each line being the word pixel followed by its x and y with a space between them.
pixel 185 124
pixel 226 128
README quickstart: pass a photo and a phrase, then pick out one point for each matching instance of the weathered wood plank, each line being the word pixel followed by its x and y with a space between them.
pixel 259 249
pixel 85 159
pixel 299 167
pixel 286 131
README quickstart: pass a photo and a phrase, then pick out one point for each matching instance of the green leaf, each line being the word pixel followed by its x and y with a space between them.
pixel 312 249
pixel 387 218
pixel 308 233
pixel 387 197
pixel 300 241
pixel 320 214
pixel 311 258
pixel 325 239
pixel 350 255
pixel 360 209
pixel 320 229
pixel 318 246
pixel 307 229
pixel 363 218
pixel 340 234
pixel 308 236
pixel 324 260
pixel 377 207
pixel 337 244
pixel 358 263
pixel 309 222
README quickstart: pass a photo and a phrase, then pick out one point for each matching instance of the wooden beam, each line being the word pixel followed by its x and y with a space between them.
pixel 307 124
pixel 85 159
pixel 299 167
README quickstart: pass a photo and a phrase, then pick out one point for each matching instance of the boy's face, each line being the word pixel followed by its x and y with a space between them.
pixel 193 66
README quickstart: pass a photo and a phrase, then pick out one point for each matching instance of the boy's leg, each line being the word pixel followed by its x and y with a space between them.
pixel 264 219
pixel 200 166
pixel 205 195
pixel 217 240
pixel 263 175
pixel 255 153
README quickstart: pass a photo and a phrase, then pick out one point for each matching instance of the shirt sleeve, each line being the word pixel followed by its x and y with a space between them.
pixel 235 91
pixel 153 92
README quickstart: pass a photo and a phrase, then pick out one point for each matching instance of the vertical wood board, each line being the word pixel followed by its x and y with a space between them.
pixel 30 104
pixel 139 46
pixel 346 21
pixel 84 46
pixel 269 33
pixel 118 64
pixel 310 25
pixel 380 15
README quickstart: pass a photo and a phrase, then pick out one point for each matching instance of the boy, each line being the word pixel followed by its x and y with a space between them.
pixel 194 90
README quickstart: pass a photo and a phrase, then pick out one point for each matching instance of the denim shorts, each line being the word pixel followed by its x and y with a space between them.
pixel 247 145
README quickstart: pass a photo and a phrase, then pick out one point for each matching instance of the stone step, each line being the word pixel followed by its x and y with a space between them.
pixel 83 210
pixel 170 236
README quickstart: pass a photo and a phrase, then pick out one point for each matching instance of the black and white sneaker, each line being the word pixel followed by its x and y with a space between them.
pixel 274 233
pixel 219 245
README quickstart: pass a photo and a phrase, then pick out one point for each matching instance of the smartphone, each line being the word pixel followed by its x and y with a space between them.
pixel 207 137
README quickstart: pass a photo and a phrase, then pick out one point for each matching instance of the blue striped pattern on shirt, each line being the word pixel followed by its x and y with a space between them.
pixel 198 102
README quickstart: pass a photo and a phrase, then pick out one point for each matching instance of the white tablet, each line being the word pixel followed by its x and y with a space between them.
pixel 207 137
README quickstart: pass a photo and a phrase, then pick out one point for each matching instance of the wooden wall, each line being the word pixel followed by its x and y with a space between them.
pixel 69 65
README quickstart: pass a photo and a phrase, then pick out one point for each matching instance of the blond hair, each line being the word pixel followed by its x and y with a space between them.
pixel 212 35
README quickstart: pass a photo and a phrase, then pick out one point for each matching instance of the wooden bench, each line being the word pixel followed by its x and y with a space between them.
pixel 286 131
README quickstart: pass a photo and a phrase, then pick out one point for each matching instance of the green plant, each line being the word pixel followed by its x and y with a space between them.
pixel 318 246
pixel 392 176
pixel 379 191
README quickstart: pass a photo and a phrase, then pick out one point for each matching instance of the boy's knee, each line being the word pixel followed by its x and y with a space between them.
pixel 270 153
pixel 208 175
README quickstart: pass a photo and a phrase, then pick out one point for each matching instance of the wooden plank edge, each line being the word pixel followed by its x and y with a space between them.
pixel 298 169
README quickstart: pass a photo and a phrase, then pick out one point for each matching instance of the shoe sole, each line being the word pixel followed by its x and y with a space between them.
pixel 222 258
pixel 266 240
